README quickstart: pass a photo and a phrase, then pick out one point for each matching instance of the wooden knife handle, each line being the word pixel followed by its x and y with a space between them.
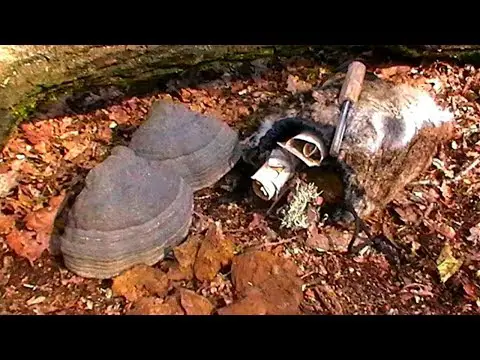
pixel 352 86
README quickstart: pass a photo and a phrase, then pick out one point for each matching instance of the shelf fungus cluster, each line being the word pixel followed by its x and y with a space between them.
pixel 138 203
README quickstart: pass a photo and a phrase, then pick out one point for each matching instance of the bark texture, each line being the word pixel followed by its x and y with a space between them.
pixel 32 76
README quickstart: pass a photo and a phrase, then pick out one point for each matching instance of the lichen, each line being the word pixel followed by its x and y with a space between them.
pixel 294 215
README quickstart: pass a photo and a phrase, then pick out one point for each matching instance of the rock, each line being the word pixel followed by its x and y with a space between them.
pixel 260 275
pixel 328 239
pixel 177 273
pixel 317 240
pixel 140 281
pixel 216 251
pixel 156 306
pixel 185 254
pixel 195 304
pixel 252 305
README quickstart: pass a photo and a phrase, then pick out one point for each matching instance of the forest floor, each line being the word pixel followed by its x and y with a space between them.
pixel 436 218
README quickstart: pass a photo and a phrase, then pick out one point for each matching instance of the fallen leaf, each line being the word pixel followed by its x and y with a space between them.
pixel 446 191
pixel 41 147
pixel 119 115
pixel 407 214
pixel 8 181
pixel 74 149
pixel 447 265
pixel 446 230
pixel 258 222
pixel 388 72
pixel 474 236
pixel 7 223
pixel 389 231
pixel 36 300
pixel 470 290
pixel 295 85
pixel 37 133
pixel 24 244
pixel 42 220
pixel 104 133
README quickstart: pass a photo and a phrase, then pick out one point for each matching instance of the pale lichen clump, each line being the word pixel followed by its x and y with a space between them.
pixel 294 215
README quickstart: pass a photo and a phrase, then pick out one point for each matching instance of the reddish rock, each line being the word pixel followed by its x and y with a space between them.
pixel 216 251
pixel 268 281
pixel 140 281
pixel 157 306
pixel 251 305
pixel 195 304
pixel 185 254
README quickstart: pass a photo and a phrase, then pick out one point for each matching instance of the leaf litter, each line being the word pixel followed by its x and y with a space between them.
pixel 42 160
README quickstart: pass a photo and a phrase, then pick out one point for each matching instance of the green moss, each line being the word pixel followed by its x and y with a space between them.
pixel 24 110
pixel 471 57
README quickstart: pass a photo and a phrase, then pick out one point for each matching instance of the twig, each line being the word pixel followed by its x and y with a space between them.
pixel 281 242
pixel 283 192
pixel 424 182
pixel 466 171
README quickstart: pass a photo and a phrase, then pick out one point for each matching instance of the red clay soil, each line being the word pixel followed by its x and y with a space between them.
pixel 439 213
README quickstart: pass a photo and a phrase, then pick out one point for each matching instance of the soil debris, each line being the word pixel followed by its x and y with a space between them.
pixel 156 306
pixel 260 274
pixel 195 304
pixel 140 281
pixel 216 251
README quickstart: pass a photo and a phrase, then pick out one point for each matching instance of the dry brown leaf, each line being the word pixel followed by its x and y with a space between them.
pixel 388 72
pixel 41 147
pixel 42 220
pixel 24 244
pixel 260 275
pixel 258 222
pixel 104 133
pixel 470 290
pixel 389 231
pixel 74 148
pixel 295 85
pixel 447 265
pixel 7 223
pixel 37 133
pixel 8 181
pixel 474 236
pixel 407 214
pixel 446 230
pixel 446 191
pixel 119 115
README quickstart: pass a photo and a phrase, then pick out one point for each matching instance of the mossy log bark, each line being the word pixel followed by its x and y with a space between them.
pixel 32 76
pixel 461 53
